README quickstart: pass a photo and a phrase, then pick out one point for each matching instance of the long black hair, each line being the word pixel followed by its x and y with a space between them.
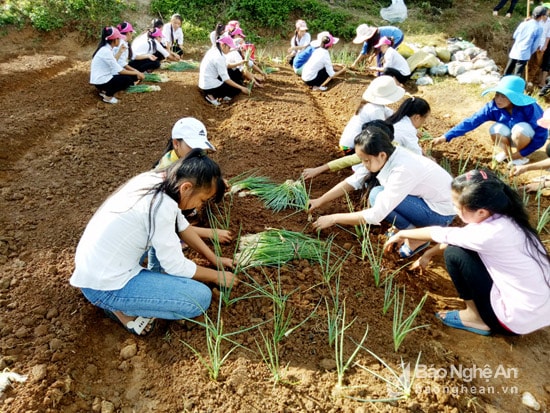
pixel 482 189
pixel 410 107
pixel 105 32
pixel 197 168
pixel 373 140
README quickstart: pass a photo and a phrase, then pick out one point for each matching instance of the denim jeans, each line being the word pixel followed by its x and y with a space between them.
pixel 150 294
pixel 412 212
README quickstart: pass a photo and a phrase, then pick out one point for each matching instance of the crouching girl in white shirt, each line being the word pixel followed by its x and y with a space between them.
pixel 143 214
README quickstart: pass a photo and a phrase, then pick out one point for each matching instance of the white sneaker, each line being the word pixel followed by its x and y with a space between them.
pixel 111 99
pixel 500 157
pixel 495 13
pixel 519 162
pixel 227 99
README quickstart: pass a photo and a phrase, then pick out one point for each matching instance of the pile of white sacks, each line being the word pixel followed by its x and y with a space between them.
pixel 461 59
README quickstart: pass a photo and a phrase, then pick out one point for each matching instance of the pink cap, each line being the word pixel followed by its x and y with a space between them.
pixel 115 34
pixel 228 41
pixel 125 27
pixel 238 32
pixel 156 33
pixel 232 25
pixel 383 40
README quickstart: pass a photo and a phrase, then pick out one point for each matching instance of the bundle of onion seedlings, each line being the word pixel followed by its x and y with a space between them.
pixel 142 89
pixel 289 194
pixel 276 247
pixel 156 78
pixel 181 66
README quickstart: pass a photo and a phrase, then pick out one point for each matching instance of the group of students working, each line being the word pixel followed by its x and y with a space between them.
pixel 312 61
pixel 497 261
pixel 228 65
pixel 118 62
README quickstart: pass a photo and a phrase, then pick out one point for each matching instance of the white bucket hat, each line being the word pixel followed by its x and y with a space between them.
pixel 383 91
pixel 364 32
pixel 332 40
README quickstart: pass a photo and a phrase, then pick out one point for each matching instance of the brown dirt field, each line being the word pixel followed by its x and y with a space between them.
pixel 63 152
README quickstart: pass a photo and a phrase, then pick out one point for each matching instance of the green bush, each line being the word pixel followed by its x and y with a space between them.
pixel 86 16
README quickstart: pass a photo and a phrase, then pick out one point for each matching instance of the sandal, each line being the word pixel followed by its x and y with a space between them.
pixel 212 100
pixel 137 326
pixel 452 319
pixel 406 252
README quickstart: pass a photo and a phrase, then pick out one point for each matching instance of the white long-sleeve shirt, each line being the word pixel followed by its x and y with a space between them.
pixel 404 133
pixel 520 296
pixel 213 64
pixel 170 35
pixel 104 66
pixel 392 59
pixel 406 173
pixel 109 252
pixel 369 112
pixel 320 58
pixel 143 45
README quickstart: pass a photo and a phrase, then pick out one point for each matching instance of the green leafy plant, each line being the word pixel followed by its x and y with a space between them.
pixel 215 337
pixel 143 88
pixel 403 326
pixel 343 363
pixel 156 78
pixel 181 66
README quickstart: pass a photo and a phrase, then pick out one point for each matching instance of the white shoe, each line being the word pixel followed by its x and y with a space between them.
pixel 227 99
pixel 320 88
pixel 500 157
pixel 111 99
pixel 212 100
pixel 495 13
pixel 519 162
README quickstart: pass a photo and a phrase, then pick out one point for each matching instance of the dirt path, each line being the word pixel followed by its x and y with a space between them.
pixel 63 151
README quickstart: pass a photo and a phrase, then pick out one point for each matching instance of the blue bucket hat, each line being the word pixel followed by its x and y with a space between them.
pixel 512 87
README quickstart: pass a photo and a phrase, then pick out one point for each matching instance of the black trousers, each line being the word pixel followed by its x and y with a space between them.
pixel 390 71
pixel 221 91
pixel 322 75
pixel 116 84
pixel 473 282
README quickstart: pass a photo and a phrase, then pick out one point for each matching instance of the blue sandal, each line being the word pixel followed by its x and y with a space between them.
pixel 452 319
pixel 406 252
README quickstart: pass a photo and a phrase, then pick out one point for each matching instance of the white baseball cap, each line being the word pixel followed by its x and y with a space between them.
pixel 193 132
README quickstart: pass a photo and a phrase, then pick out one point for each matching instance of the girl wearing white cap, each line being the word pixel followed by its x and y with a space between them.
pixel 370 36
pixel 300 40
pixel 393 64
pixel 318 70
pixel 214 80
pixel 105 72
pixel 188 134
pixel 515 129
pixel 405 189
pixel 141 214
pixel 148 51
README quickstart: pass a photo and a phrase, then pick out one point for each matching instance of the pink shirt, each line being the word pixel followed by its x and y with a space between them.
pixel 520 295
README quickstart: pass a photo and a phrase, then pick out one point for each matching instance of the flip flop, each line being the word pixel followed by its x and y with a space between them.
pixel 136 326
pixel 406 252
pixel 452 319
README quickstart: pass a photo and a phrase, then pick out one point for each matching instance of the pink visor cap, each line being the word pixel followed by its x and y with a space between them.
pixel 156 33
pixel 227 40
pixel 115 34
pixel 125 27
pixel 383 40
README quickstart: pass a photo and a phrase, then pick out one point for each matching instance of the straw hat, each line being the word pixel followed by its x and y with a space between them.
pixel 364 32
pixel 383 91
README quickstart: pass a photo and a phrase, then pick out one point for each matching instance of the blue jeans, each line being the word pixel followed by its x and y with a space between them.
pixel 412 212
pixel 151 294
